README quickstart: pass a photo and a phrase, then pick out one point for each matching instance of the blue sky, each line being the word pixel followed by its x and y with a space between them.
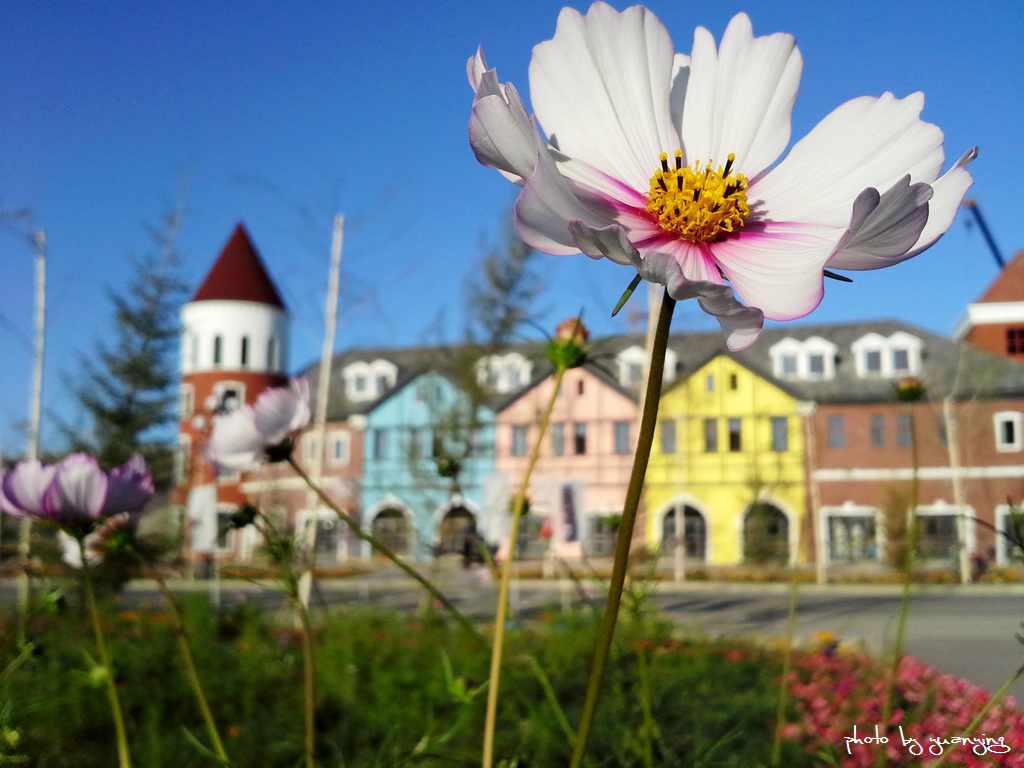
pixel 283 114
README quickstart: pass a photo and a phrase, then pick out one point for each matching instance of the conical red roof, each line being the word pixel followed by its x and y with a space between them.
pixel 239 275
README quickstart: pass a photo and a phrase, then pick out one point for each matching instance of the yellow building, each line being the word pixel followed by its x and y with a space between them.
pixel 728 455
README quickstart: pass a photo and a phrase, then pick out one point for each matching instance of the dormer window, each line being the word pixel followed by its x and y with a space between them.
pixel 368 381
pixel 504 373
pixel 887 357
pixel 810 359
pixel 873 361
pixel 631 363
pixel 901 361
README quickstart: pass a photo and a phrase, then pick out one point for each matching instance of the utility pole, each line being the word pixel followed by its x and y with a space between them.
pixel 322 391
pixel 32 450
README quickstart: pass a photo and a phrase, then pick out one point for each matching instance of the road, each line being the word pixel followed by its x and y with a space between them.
pixel 966 631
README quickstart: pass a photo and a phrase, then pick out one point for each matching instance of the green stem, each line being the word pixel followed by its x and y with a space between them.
pixel 905 594
pixel 633 493
pixel 787 664
pixel 506 576
pixel 973 725
pixel 191 672
pixel 309 681
pixel 650 728
pixel 101 646
pixel 390 555
pixel 281 554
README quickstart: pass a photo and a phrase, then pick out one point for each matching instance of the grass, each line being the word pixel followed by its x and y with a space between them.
pixel 393 691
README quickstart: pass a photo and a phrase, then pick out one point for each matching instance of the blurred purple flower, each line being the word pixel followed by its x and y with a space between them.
pixel 75 494
pixel 245 437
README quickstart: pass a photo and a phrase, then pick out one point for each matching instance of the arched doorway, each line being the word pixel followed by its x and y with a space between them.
pixel 457 524
pixel 765 534
pixel 391 528
pixel 695 533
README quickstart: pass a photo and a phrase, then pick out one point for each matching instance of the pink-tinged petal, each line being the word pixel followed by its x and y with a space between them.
pixel 949 191
pixel 866 142
pixel 741 325
pixel 282 411
pixel 740 97
pixel 235 444
pixel 548 203
pixel 600 90
pixel 883 227
pixel 501 133
pixel 608 242
pixel 78 490
pixel 22 489
pixel 778 270
pixel 129 488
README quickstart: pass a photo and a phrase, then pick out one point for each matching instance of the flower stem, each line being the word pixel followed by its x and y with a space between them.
pixel 282 555
pixel 787 665
pixel 908 577
pixel 506 575
pixel 123 757
pixel 634 491
pixel 190 668
pixel 383 549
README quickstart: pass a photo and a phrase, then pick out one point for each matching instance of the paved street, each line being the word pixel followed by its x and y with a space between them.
pixel 967 631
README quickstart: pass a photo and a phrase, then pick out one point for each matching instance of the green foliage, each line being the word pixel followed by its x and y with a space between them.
pixel 393 692
pixel 127 388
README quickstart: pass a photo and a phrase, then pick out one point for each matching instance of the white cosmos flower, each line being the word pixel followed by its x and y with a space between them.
pixel 245 437
pixel 667 162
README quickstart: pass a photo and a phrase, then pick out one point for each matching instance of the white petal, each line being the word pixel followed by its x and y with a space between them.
pixel 282 411
pixel 739 98
pixel 501 133
pixel 883 227
pixel 23 487
pixel 78 489
pixel 778 270
pixel 741 324
pixel 601 87
pixel 866 142
pixel 949 191
pixel 609 242
pixel 235 444
pixel 548 203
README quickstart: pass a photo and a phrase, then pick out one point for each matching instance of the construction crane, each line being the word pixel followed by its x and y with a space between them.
pixel 972 204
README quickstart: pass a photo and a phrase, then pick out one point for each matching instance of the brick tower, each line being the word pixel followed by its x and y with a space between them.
pixel 234 345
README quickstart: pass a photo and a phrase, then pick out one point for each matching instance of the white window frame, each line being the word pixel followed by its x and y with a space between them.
pixel 186 401
pixel 886 347
pixel 1017 419
pixel 343 439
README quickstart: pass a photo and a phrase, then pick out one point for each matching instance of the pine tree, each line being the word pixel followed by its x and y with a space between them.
pixel 500 298
pixel 127 388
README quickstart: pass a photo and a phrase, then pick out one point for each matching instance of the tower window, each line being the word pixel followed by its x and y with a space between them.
pixel 272 364
pixel 218 343
pixel 244 358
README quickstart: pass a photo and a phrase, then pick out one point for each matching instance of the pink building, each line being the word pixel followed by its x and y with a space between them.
pixel 585 457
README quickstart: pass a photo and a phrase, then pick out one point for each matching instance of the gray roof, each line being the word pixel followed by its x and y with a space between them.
pixel 947 367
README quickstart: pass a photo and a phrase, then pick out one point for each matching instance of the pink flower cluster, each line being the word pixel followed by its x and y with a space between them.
pixel 832 692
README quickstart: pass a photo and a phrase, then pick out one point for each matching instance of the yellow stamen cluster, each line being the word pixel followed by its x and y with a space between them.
pixel 700 205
